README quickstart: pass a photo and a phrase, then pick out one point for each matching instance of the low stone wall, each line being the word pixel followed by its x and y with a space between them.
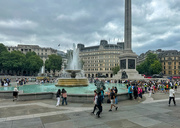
pixel 35 96
pixel 73 98
pixel 6 94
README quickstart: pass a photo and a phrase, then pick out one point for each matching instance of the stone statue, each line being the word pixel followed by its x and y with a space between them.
pixel 99 84
pixel 124 75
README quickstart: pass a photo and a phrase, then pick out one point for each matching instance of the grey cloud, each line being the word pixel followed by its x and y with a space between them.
pixel 50 22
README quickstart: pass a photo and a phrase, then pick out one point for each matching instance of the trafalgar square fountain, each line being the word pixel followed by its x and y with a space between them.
pixel 73 75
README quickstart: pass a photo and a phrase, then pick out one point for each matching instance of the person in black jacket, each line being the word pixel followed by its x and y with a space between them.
pixel 58 96
pixel 99 104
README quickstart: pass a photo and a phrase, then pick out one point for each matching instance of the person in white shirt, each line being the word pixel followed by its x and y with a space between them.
pixel 172 96
pixel 6 84
pixel 95 101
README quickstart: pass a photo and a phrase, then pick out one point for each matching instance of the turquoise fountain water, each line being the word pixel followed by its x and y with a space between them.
pixel 70 90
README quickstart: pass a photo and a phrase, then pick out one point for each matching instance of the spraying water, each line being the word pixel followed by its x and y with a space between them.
pixel 73 62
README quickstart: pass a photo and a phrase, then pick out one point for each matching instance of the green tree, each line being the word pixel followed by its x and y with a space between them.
pixel 13 61
pixel 150 66
pixel 2 48
pixel 53 63
pixel 17 60
pixel 33 62
pixel 156 67
pixel 5 61
pixel 115 69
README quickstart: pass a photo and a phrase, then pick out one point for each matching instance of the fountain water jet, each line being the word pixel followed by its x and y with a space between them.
pixel 73 76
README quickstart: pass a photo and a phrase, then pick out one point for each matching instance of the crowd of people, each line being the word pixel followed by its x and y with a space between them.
pixel 5 82
pixel 137 88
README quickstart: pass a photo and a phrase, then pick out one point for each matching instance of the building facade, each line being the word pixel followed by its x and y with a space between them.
pixel 170 60
pixel 42 52
pixel 99 60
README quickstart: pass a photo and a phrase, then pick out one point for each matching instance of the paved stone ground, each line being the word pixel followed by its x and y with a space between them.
pixel 153 112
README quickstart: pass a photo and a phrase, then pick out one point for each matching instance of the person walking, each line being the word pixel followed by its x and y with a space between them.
pixel 64 96
pixel 150 91
pixel 116 91
pixel 95 101
pixel 15 94
pixel 130 91
pixel 112 100
pixel 135 92
pixel 172 96
pixel 99 104
pixel 58 96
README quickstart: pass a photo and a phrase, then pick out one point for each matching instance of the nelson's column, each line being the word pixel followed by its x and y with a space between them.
pixel 128 57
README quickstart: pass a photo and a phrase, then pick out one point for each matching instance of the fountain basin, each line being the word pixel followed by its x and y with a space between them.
pixel 72 82
pixel 83 94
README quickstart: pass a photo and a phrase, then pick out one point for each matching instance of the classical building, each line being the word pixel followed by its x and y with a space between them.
pixel 170 61
pixel 99 60
pixel 42 52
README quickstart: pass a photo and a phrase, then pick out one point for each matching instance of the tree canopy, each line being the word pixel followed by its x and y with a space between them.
pixel 2 48
pixel 33 62
pixel 150 66
pixel 53 63
pixel 16 61
pixel 115 69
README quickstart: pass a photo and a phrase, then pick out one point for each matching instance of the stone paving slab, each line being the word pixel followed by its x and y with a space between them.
pixel 144 121
pixel 23 110
pixel 98 126
pixel 175 123
pixel 54 118
pixel 61 124
pixel 122 124
pixel 86 121
pixel 163 117
pixel 6 124
pixel 35 122
pixel 163 125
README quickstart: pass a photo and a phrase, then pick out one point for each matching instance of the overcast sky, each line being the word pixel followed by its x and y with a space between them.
pixel 156 23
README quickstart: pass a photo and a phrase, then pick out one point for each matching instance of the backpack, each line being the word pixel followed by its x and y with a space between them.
pixel 135 88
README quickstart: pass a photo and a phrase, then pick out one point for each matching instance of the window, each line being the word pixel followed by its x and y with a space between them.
pixel 169 63
pixel 174 63
pixel 170 72
pixel 169 67
pixel 174 67
pixel 174 72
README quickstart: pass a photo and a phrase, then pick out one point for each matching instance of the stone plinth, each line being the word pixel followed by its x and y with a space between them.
pixel 72 82
pixel 128 65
